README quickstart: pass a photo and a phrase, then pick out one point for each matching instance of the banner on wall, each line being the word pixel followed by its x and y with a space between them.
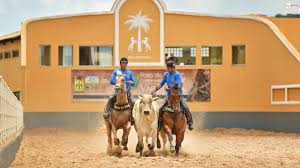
pixel 95 84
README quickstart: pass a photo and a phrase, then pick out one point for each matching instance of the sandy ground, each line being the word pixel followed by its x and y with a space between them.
pixel 53 148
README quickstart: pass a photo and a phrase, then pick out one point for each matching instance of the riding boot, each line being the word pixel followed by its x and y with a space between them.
pixel 189 117
pixel 160 116
pixel 131 103
pixel 187 114
pixel 109 107
pixel 160 119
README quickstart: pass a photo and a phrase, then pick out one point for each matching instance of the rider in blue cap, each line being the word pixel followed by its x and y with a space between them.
pixel 129 83
pixel 170 78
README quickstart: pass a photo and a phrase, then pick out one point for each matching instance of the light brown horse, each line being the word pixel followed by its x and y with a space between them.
pixel 174 121
pixel 120 117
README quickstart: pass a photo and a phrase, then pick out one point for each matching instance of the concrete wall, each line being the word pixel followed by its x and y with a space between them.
pixel 9 151
pixel 268 121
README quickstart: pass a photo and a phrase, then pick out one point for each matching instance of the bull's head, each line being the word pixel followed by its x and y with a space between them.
pixel 146 104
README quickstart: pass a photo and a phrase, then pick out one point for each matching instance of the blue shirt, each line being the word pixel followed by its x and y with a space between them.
pixel 171 79
pixel 127 74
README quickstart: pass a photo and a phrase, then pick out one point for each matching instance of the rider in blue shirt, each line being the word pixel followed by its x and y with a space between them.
pixel 129 83
pixel 170 78
pixel 128 77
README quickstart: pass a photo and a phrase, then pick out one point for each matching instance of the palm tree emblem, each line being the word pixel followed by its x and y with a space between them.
pixel 140 22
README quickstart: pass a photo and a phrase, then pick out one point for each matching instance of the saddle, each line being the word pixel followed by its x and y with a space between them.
pixel 170 109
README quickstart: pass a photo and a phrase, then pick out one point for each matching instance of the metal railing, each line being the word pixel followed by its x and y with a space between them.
pixel 11 113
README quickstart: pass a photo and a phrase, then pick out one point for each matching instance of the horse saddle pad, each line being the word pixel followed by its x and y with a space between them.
pixel 171 110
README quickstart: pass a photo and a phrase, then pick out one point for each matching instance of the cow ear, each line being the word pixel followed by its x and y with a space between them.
pixel 140 97
pixel 155 98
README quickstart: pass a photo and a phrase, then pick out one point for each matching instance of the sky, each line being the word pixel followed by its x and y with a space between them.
pixel 13 12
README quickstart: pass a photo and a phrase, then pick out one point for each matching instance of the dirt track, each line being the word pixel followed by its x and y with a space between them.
pixel 52 148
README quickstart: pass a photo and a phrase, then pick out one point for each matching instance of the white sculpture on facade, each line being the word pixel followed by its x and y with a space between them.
pixel 139 22
pixel 132 43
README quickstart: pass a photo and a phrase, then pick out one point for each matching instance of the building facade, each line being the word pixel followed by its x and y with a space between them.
pixel 238 70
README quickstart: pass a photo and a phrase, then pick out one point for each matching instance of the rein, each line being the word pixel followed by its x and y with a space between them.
pixel 171 107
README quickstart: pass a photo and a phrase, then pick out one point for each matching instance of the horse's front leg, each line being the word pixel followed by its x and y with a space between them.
pixel 116 140
pixel 109 139
pixel 126 131
pixel 170 136
pixel 179 140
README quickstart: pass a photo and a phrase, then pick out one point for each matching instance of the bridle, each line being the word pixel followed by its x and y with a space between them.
pixel 121 89
pixel 173 101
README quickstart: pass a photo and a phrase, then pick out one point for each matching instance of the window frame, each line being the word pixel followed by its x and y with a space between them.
pixel 4 55
pixel 238 45
pixel 72 63
pixel 97 66
pixel 15 50
pixel 184 46
pixel 39 58
pixel 214 45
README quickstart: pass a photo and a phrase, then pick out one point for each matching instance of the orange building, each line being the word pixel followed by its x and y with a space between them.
pixel 239 71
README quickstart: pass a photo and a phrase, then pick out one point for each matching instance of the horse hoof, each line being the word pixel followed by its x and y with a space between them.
pixel 118 151
pixel 117 142
pixel 172 149
pixel 125 148
pixel 152 153
pixel 109 151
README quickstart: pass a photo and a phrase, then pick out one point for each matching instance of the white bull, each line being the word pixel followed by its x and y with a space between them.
pixel 145 114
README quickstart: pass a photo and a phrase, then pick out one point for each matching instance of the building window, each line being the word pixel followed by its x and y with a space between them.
pixel 44 55
pixel 95 55
pixel 1 55
pixel 18 95
pixel 182 55
pixel 15 53
pixel 212 55
pixel 239 54
pixel 65 55
pixel 7 54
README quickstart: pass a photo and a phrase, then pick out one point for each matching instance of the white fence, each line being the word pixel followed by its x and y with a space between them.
pixel 11 113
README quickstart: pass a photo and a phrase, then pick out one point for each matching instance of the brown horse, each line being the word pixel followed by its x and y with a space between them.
pixel 120 117
pixel 174 121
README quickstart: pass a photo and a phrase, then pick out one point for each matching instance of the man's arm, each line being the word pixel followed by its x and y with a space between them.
pixel 162 83
pixel 113 78
pixel 131 79
pixel 156 89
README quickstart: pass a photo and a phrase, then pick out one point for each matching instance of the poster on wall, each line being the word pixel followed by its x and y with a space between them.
pixel 95 84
